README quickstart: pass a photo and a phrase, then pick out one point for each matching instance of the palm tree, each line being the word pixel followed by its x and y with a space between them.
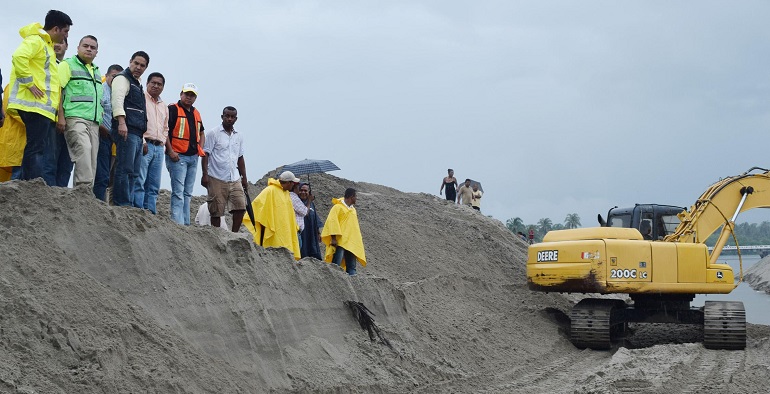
pixel 572 220
pixel 515 225
pixel 544 225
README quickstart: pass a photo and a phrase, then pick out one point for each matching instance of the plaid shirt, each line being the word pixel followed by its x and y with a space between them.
pixel 300 210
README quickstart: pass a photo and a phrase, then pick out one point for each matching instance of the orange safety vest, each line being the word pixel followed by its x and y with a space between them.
pixel 180 135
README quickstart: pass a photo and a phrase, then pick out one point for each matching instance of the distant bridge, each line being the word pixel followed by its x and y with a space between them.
pixel 748 247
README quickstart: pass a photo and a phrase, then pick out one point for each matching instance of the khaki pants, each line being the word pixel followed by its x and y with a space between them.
pixel 83 144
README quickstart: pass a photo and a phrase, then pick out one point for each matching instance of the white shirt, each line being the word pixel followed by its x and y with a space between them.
pixel 223 151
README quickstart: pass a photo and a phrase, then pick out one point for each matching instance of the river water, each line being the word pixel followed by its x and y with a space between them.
pixel 755 302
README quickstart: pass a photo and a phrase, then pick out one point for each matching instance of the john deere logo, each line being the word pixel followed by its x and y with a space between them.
pixel 720 275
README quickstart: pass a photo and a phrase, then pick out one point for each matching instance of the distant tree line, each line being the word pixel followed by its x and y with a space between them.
pixel 747 234
pixel 542 226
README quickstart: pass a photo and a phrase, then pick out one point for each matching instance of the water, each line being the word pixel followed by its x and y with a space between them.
pixel 755 302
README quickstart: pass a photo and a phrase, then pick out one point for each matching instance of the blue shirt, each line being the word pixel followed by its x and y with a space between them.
pixel 107 105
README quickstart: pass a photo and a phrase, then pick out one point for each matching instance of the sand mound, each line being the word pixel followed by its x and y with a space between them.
pixel 96 298
pixel 758 275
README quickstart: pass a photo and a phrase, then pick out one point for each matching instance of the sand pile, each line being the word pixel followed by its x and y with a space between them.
pixel 102 299
pixel 758 275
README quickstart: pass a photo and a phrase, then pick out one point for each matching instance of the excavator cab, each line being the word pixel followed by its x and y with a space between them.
pixel 661 219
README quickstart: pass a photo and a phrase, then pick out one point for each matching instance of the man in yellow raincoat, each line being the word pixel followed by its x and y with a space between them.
pixel 342 234
pixel 274 215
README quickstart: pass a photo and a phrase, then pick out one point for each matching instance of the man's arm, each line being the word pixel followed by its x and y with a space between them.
pixel 120 88
pixel 172 115
pixel 205 170
pixel 242 171
pixel 21 61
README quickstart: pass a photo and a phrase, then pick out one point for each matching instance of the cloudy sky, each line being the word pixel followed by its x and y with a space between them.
pixel 557 107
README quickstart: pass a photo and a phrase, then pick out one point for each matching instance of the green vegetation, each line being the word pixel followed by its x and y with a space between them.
pixel 543 225
pixel 747 234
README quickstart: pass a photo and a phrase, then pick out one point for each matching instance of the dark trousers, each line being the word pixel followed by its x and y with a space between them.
pixel 60 165
pixel 38 153
pixel 103 164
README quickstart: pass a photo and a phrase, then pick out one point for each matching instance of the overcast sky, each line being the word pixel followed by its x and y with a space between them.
pixel 557 107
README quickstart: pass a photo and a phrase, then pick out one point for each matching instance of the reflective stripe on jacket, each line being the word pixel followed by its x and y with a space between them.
pixel 34 63
pixel 180 134
pixel 83 93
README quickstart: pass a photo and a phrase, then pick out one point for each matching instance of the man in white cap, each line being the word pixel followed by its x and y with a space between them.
pixel 185 134
pixel 274 214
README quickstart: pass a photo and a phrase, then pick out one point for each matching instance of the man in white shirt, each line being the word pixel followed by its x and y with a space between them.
pixel 224 170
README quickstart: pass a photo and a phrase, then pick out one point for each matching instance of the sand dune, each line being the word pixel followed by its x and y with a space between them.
pixel 95 298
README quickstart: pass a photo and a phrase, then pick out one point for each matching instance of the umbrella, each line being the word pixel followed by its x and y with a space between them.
pixel 310 166
pixel 249 209
pixel 477 183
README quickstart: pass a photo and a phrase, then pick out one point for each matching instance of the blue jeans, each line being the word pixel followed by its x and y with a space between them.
pixel 16 173
pixel 127 162
pixel 103 162
pixel 39 149
pixel 350 260
pixel 60 166
pixel 182 182
pixel 148 182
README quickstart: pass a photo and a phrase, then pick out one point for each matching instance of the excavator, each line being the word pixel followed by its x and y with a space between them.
pixel 661 268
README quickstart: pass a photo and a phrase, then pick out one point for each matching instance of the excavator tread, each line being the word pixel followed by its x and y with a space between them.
pixel 724 325
pixel 594 322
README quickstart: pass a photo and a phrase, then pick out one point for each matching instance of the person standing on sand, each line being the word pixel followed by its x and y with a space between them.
pixel 35 91
pixel 60 166
pixel 129 111
pixel 342 234
pixel 451 184
pixel 104 158
pixel 187 138
pixel 154 146
pixel 476 197
pixel 81 110
pixel 224 170
pixel 465 193
pixel 311 235
pixel 274 215
pixel 300 211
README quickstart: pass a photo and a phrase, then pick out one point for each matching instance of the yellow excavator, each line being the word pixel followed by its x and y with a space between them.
pixel 661 268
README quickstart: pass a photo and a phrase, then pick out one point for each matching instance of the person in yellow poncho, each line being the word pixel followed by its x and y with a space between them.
pixel 274 215
pixel 342 234
pixel 13 139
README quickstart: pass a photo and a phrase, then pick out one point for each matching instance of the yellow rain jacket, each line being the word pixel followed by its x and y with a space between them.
pixel 274 215
pixel 13 139
pixel 34 62
pixel 343 223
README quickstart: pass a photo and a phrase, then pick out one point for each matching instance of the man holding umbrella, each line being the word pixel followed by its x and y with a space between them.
pixel 224 170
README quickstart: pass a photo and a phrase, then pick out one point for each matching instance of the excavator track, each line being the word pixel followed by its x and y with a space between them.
pixel 724 325
pixel 595 323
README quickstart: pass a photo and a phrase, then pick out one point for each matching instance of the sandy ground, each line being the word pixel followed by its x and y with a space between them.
pixel 101 299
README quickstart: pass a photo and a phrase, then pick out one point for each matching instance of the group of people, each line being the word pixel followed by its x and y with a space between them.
pixel 467 194
pixel 285 217
pixel 64 114
pixel 59 114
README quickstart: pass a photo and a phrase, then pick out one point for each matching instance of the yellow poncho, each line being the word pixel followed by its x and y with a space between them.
pixel 13 139
pixel 343 223
pixel 274 215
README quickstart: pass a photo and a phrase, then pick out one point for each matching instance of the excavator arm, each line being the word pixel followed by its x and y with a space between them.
pixel 719 206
